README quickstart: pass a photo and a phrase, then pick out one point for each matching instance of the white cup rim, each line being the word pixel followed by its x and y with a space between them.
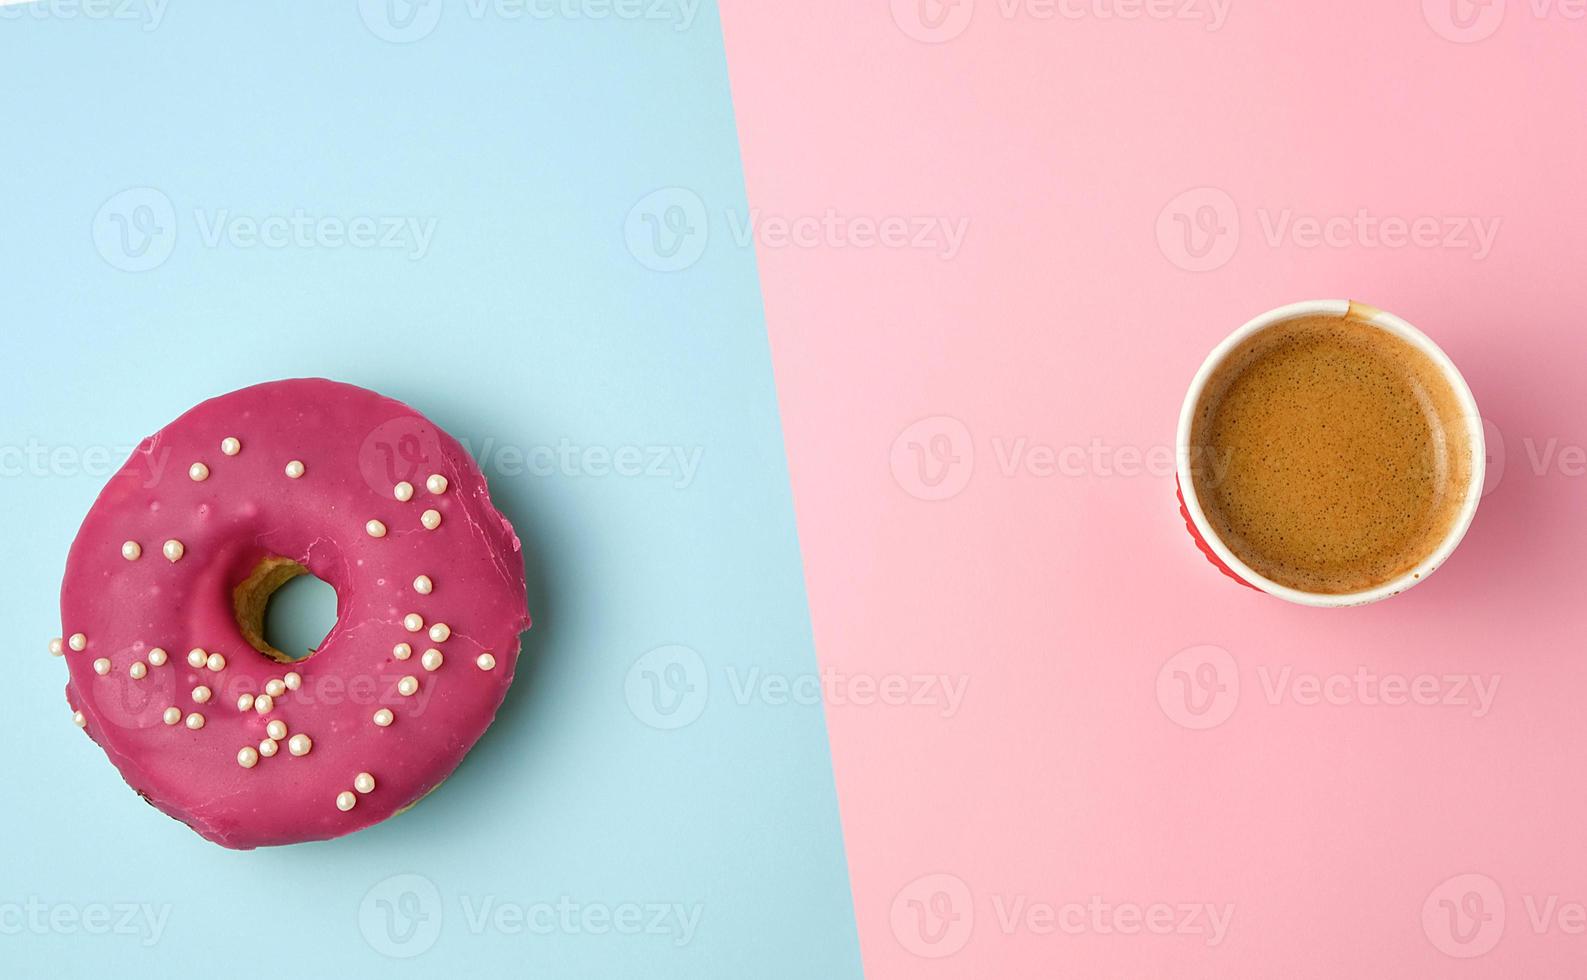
pixel 1394 325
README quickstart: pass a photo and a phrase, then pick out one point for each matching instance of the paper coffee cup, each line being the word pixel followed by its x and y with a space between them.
pixel 1224 558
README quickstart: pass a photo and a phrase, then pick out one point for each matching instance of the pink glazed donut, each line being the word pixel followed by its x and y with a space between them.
pixel 164 598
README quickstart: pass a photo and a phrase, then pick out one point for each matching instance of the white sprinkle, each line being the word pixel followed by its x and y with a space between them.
pixel 172 715
pixel 230 446
pixel 264 704
pixel 432 659
pixel 300 744
pixel 138 670
pixel 78 719
pixel 364 783
pixel 486 661
pixel 245 702
pixel 57 647
pixel 276 729
pixel 402 651
pixel 102 666
pixel 247 757
pixel 403 491
pixel 431 519
pixel 423 585
pixel 173 550
pixel 295 469
pixel 269 747
pixel 375 529
pixel 78 642
pixel 408 686
pixel 198 472
pixel 157 657
pixel 293 680
pixel 345 801
pixel 275 687
pixel 384 717
pixel 436 483
pixel 201 694
pixel 131 550
pixel 413 622
pixel 440 632
pixel 195 721
pixel 197 658
pixel 216 662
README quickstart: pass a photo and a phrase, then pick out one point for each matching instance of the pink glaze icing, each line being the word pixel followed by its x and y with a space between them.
pixel 355 447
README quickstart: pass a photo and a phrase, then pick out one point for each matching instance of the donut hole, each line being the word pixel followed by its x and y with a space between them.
pixel 282 607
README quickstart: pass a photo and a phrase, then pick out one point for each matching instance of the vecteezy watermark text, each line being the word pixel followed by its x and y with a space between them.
pixel 299 229
pixel 939 21
pixel 670 686
pixel 1199 230
pixel 935 915
pixel 668 230
pixel 142 921
pixel 138 229
pixel 935 458
pixel 832 229
pixel 675 921
pixel 37 459
pixel 403 916
pixel 407 21
pixel 1097 915
pixel 677 464
pixel 1200 687
pixel 149 14
pixel 672 464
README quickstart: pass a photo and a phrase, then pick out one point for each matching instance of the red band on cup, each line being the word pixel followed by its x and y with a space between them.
pixel 1201 542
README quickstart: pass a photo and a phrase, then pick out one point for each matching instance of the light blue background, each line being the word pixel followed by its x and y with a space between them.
pixel 538 317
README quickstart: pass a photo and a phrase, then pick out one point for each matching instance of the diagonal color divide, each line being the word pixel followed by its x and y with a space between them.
pixel 1153 772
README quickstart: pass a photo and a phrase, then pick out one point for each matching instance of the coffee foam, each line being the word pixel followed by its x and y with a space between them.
pixel 1330 455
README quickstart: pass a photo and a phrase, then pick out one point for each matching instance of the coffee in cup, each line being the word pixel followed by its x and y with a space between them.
pixel 1330 454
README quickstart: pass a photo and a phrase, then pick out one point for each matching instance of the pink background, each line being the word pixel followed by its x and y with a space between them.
pixel 1069 318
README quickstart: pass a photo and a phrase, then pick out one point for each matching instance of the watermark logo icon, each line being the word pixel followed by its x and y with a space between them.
pixel 401 917
pixel 668 229
pixel 667 687
pixel 1493 444
pixel 1464 916
pixel 1199 230
pixel 934 915
pixel 139 705
pixel 135 230
pixel 406 449
pixel 1464 21
pixel 400 21
pixel 933 21
pixel 1199 687
pixel 934 458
